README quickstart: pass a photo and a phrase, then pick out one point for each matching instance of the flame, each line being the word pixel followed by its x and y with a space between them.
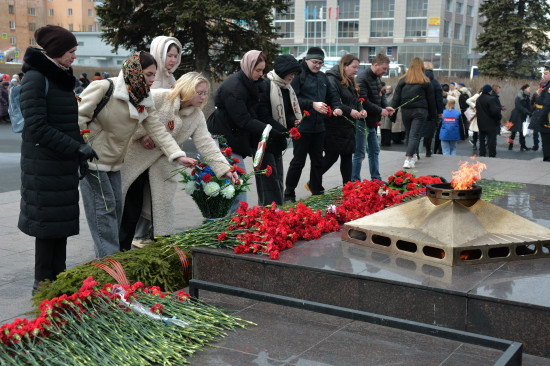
pixel 467 174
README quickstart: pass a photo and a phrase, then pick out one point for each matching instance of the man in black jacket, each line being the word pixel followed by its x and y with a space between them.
pixel 541 115
pixel 488 120
pixel 376 105
pixel 315 96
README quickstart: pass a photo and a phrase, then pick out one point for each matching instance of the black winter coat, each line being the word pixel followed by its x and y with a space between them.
pixel 541 115
pixel 488 112
pixel 49 152
pixel 340 132
pixel 370 86
pixel 235 117
pixel 415 96
pixel 522 109
pixel 264 113
pixel 313 87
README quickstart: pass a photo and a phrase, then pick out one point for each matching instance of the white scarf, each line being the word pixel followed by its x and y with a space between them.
pixel 276 97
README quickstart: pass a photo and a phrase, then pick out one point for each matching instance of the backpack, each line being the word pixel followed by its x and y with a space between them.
pixel 14 108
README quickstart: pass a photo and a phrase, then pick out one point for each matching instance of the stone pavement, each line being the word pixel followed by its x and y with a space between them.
pixel 17 249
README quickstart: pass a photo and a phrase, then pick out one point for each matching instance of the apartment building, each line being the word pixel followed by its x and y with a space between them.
pixel 441 31
pixel 20 18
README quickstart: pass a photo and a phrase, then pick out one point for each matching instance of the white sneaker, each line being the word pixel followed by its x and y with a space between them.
pixel 408 164
pixel 414 159
pixel 140 243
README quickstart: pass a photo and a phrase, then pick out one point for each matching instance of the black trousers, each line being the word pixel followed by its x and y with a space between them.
pixel 545 138
pixel 132 211
pixel 312 144
pixel 521 138
pixel 49 258
pixel 270 189
pixel 345 164
pixel 488 141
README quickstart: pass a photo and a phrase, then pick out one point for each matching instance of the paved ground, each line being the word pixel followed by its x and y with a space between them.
pixel 17 249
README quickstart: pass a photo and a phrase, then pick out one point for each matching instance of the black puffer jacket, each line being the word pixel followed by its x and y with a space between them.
pixel 49 152
pixel 313 87
pixel 415 96
pixel 438 91
pixel 235 117
pixel 340 132
pixel 370 86
pixel 488 112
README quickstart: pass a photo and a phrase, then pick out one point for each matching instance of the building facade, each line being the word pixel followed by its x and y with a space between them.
pixel 443 32
pixel 20 18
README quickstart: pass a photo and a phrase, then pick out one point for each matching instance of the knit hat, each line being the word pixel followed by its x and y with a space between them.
pixel 315 53
pixel 525 86
pixel 486 88
pixel 286 64
pixel 55 40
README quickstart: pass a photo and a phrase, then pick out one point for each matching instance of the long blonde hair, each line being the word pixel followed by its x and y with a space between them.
pixel 347 60
pixel 450 104
pixel 186 87
pixel 416 74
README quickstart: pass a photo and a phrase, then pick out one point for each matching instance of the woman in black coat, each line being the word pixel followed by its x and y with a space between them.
pixel 519 115
pixel 278 107
pixel 340 131
pixel 51 151
pixel 235 117
pixel 414 94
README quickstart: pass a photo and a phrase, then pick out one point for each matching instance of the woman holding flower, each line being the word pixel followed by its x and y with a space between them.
pixel 414 95
pixel 235 117
pixel 111 131
pixel 180 111
pixel 278 107
pixel 340 131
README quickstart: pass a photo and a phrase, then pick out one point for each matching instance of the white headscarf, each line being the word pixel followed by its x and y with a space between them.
pixel 159 47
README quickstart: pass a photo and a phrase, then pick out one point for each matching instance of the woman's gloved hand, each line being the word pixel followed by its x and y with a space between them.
pixel 87 152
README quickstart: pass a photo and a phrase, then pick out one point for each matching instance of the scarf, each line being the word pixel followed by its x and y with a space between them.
pixel 276 97
pixel 248 61
pixel 135 81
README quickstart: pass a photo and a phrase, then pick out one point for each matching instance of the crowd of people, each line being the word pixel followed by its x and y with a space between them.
pixel 119 138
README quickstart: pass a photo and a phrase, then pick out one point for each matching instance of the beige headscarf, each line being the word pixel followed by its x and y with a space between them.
pixel 159 47
pixel 276 98
pixel 249 61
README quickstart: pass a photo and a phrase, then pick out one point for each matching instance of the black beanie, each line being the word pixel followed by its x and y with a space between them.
pixel 315 53
pixel 55 40
pixel 286 64
pixel 524 86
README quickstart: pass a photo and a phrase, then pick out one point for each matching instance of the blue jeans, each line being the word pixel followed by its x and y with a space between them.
pixel 103 223
pixel 448 147
pixel 362 145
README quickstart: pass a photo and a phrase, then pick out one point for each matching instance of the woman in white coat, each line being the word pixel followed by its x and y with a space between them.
pixel 473 122
pixel 179 109
pixel 167 53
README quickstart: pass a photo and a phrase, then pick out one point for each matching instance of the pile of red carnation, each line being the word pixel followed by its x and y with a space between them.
pixel 269 230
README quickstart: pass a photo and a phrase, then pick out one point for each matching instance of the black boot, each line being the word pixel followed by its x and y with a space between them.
pixel 428 146
pixel 524 148
pixel 510 146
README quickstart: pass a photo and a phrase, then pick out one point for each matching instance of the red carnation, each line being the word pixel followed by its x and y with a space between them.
pixel 268 171
pixel 361 100
pixel 222 236
pixel 306 113
pixel 83 132
pixel 329 112
pixel 228 152
pixel 274 254
pixel 295 133
pixel 207 178
pixel 411 186
pixel 399 181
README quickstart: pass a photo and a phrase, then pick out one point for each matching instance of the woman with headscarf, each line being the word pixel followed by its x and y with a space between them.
pixel 340 131
pixel 111 131
pixel 180 111
pixel 51 151
pixel 234 117
pixel 278 107
pixel 167 54
pixel 414 95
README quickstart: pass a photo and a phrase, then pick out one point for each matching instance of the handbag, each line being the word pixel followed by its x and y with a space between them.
pixel 470 114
